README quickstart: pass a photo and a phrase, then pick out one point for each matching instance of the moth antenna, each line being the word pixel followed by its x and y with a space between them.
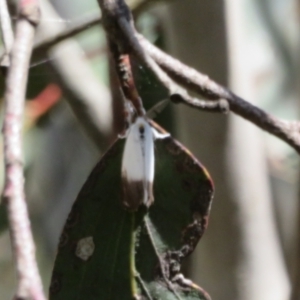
pixel 155 110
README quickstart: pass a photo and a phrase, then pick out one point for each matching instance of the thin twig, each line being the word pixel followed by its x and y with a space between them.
pixel 203 85
pixel 29 281
pixel 218 106
pixel 7 33
pixel 87 22
pixel 79 26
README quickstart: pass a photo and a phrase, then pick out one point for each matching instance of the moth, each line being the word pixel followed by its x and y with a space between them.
pixel 138 163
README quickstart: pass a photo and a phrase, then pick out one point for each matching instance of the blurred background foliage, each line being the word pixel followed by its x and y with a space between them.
pixel 251 46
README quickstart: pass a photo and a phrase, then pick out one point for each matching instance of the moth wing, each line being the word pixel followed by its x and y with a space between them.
pixel 132 161
pixel 138 165
pixel 149 163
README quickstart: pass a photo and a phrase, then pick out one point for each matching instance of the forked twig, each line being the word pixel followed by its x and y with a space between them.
pixel 29 281
pixel 118 24
pixel 288 131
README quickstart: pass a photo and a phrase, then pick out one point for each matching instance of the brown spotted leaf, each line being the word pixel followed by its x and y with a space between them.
pixel 108 253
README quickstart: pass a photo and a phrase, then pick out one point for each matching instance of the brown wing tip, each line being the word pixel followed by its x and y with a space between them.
pixel 133 194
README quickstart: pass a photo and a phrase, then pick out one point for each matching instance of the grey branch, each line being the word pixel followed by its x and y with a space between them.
pixel 7 33
pixel 203 85
pixel 288 131
pixel 29 281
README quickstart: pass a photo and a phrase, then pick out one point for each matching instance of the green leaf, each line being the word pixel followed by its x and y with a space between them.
pixel 107 253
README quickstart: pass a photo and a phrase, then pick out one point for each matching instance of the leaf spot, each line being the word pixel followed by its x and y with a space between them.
pixel 85 248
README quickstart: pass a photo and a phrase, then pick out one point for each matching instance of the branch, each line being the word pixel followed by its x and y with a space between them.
pixel 7 33
pixel 87 22
pixel 203 85
pixel 288 131
pixel 29 282
pixel 118 23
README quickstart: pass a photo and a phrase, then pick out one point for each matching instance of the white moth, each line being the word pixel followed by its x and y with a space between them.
pixel 138 164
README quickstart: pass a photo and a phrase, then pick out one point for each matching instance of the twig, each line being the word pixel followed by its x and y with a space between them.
pixel 7 33
pixel 118 23
pixel 219 106
pixel 203 85
pixel 46 43
pixel 84 24
pixel 29 282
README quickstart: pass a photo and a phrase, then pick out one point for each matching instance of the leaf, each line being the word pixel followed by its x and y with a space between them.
pixel 106 252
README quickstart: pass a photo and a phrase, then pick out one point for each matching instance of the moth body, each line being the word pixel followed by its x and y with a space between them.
pixel 138 165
